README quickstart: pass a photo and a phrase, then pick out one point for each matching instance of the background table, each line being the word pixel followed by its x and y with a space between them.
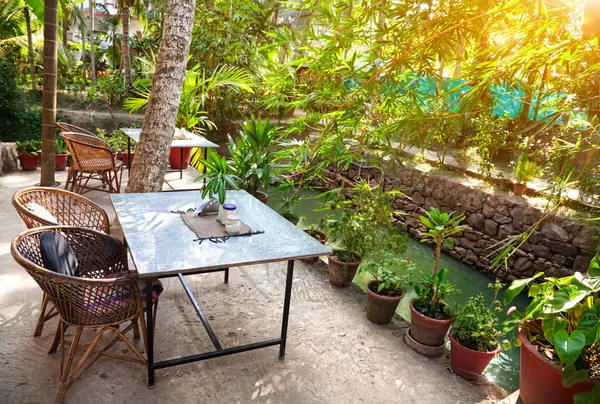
pixel 192 141
pixel 161 245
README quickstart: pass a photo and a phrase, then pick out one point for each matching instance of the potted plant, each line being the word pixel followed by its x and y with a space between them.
pixel 559 335
pixel 251 155
pixel 217 178
pixel 356 231
pixel 318 235
pixel 430 320
pixel 29 154
pixel 288 209
pixel 525 170
pixel 474 334
pixel 62 153
pixel 390 273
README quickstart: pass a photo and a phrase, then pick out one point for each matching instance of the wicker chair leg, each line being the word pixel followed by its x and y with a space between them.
pixel 65 380
pixel 136 329
pixel 57 336
pixel 69 177
pixel 42 317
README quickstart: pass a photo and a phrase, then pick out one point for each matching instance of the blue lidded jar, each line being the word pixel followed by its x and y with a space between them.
pixel 230 210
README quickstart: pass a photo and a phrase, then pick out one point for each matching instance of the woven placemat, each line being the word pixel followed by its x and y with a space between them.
pixel 207 228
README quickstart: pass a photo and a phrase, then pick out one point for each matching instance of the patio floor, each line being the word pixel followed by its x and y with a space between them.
pixel 334 354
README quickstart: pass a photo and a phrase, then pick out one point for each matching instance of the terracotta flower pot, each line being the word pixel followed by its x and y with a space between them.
pixel 60 162
pixel 175 160
pixel 127 158
pixel 519 189
pixel 540 381
pixel 342 273
pixel 322 239
pixel 261 196
pixel 29 162
pixel 426 330
pixel 381 309
pixel 467 363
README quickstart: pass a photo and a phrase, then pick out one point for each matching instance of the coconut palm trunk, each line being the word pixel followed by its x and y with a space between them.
pixel 30 56
pixel 126 57
pixel 49 92
pixel 92 41
pixel 152 151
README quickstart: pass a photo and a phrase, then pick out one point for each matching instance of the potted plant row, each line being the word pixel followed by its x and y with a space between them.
pixel 430 319
pixel 559 336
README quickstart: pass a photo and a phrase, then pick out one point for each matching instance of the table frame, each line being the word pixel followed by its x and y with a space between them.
pixel 219 350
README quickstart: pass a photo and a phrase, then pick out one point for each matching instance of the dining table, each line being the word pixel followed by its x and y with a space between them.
pixel 161 245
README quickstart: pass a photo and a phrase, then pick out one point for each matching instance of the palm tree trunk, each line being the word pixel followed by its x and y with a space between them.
pixel 152 152
pixel 82 30
pixel 126 57
pixel 30 50
pixel 49 92
pixel 92 41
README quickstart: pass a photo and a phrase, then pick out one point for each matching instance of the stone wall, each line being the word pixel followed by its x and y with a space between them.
pixel 558 247
pixel 8 157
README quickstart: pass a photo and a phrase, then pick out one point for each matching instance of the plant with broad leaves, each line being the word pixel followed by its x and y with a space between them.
pixel 563 320
pixel 251 154
pixel 476 322
pixel 30 147
pixel 440 225
pixel 218 179
pixel 432 304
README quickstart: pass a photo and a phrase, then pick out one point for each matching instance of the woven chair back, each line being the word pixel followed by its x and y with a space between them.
pixel 69 208
pixel 88 153
pixel 67 127
pixel 86 301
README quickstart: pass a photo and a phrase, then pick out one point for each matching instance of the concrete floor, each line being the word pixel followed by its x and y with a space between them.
pixel 334 354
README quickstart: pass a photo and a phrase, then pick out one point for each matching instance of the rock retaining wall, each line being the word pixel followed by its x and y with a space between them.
pixel 558 247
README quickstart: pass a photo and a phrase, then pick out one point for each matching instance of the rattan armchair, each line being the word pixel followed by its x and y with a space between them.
pixel 87 302
pixel 67 127
pixel 69 209
pixel 91 159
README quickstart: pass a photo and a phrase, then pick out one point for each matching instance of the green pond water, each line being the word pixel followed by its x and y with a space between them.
pixel 504 369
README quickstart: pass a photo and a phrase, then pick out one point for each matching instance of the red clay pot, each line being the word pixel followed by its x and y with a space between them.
pixel 519 189
pixel 261 196
pixel 127 158
pixel 175 157
pixel 28 162
pixel 60 162
pixel 467 363
pixel 323 239
pixel 427 331
pixel 541 380
pixel 342 273
pixel 381 309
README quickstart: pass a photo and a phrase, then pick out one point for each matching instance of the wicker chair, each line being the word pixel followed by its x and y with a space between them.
pixel 69 209
pixel 85 303
pixel 67 127
pixel 91 159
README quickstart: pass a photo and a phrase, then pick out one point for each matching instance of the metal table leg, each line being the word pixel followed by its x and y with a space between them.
pixel 180 162
pixel 150 333
pixel 128 153
pixel 286 307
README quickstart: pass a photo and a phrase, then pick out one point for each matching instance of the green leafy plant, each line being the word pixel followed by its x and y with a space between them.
pixel 251 154
pixel 525 169
pixel 476 323
pixel 30 147
pixel 115 141
pixel 61 147
pixel 389 270
pixel 289 207
pixel 357 231
pixel 562 320
pixel 217 177
pixel 439 226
